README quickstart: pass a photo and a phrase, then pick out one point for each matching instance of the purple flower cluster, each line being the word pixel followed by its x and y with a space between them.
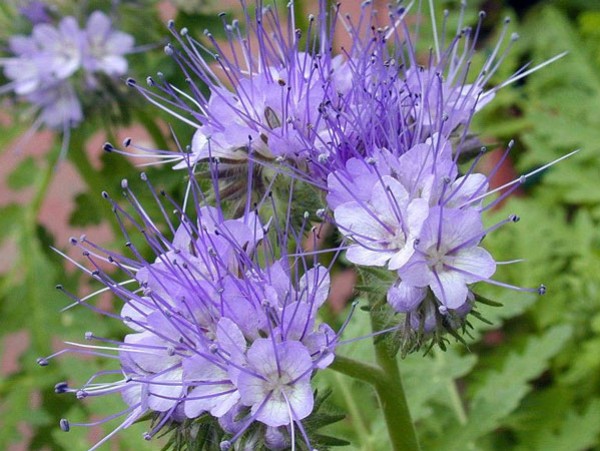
pixel 395 188
pixel 415 215
pixel 378 130
pixel 220 326
pixel 267 92
pixel 223 319
pixel 44 66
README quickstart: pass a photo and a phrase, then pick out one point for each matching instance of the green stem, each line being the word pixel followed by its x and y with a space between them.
pixel 387 382
pixel 91 177
pixel 403 436
pixel 358 370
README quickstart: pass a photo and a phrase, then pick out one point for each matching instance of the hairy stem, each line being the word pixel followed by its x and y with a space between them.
pixel 401 430
pixel 387 382
pixel 358 370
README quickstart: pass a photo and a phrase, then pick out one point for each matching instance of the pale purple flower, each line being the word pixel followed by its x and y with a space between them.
pixel 58 104
pixel 410 214
pixel 277 383
pixel 55 67
pixel 213 389
pixel 49 55
pixel 105 48
pixel 383 228
pixel 404 297
pixel 267 101
pixel 394 188
pixel 219 326
pixel 36 11
pixel 448 257
pixel 59 49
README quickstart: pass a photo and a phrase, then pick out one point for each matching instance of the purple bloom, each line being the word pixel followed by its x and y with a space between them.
pixel 385 227
pixel 49 55
pixel 213 389
pixel 36 12
pixel 416 216
pixel 58 105
pixel 448 257
pixel 394 187
pixel 277 383
pixel 219 326
pixel 47 67
pixel 267 101
pixel 105 48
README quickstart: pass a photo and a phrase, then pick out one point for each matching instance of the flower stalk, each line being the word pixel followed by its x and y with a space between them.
pixel 390 392
pixel 386 379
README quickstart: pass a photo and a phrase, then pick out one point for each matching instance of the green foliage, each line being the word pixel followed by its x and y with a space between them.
pixel 83 215
pixel 501 391
pixel 577 431
pixel 24 174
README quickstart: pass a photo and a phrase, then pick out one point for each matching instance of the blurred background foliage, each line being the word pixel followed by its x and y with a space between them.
pixel 528 381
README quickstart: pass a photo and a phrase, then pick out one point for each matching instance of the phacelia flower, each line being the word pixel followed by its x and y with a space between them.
pixel 301 103
pixel 377 129
pixel 270 89
pixel 56 66
pixel 36 11
pixel 394 185
pixel 104 48
pixel 219 324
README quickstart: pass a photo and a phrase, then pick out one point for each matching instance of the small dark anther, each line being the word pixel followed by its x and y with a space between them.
pixel 61 387
pixel 64 425
pixel 42 361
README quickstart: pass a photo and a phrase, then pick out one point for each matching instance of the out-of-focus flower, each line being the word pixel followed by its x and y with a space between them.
pixel 56 66
pixel 36 12
pixel 104 48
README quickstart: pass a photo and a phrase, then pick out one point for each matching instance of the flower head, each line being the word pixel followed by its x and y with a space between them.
pixel 269 88
pixel 55 66
pixel 104 48
pixel 219 324
pixel 395 188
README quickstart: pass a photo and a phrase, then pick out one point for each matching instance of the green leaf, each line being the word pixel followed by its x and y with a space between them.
pixel 11 217
pixel 82 215
pixel 24 174
pixel 442 369
pixel 501 391
pixel 578 431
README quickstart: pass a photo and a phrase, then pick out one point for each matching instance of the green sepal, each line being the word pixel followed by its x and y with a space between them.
pixel 487 301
